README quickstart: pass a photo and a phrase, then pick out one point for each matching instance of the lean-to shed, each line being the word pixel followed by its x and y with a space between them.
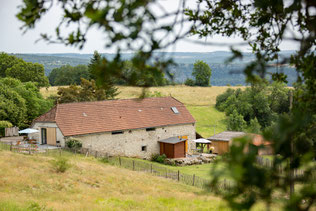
pixel 174 147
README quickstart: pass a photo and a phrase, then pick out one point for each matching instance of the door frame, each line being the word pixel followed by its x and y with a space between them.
pixel 43 134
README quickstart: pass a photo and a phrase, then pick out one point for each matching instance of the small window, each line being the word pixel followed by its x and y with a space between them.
pixel 144 148
pixel 117 132
pixel 150 129
pixel 175 110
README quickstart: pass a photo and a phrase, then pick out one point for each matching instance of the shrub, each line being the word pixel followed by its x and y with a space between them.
pixel 60 165
pixel 189 82
pixel 34 206
pixel 104 160
pixel 158 158
pixel 73 143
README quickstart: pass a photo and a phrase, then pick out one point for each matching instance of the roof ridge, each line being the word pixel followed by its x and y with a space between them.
pixel 176 99
pixel 97 101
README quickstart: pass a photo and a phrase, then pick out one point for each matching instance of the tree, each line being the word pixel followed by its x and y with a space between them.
pixel 95 61
pixel 12 106
pixel 236 122
pixel 254 126
pixel 67 75
pixel 88 91
pixel 202 73
pixel 7 61
pixel 221 99
pixel 32 103
pixel 13 67
pixel 189 82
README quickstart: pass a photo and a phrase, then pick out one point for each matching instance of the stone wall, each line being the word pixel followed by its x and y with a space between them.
pixel 131 142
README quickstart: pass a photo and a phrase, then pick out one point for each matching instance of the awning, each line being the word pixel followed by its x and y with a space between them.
pixel 28 130
pixel 202 141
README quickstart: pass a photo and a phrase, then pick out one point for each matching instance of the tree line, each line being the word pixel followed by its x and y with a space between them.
pixel 255 108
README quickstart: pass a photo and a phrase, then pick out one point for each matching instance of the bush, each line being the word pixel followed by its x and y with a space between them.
pixel 73 143
pixel 104 160
pixel 158 158
pixel 34 206
pixel 189 82
pixel 60 165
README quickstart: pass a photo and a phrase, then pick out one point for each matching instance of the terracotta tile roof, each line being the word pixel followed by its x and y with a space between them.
pixel 113 115
pixel 259 140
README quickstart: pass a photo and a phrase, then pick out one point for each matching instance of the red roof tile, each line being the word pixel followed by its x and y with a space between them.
pixel 113 115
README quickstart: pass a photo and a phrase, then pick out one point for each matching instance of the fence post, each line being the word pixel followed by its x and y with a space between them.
pixel 178 175
pixel 120 161
pixel 166 173
pixel 11 146
pixel 60 152
pixel 133 165
pixel 29 150
pixel 151 168
pixel 193 179
pixel 96 154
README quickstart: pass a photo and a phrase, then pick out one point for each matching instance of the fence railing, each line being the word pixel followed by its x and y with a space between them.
pixel 151 168
pixel 160 171
pixel 268 163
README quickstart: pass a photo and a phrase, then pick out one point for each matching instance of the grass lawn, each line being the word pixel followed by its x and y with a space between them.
pixel 203 170
pixel 209 120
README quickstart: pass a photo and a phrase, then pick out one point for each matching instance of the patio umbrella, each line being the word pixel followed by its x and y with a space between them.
pixel 28 130
pixel 202 141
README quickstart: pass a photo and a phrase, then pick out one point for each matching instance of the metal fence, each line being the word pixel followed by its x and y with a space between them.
pixel 160 171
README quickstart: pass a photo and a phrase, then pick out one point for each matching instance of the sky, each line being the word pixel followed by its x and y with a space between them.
pixel 12 39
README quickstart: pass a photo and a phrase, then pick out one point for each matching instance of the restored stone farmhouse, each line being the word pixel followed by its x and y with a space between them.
pixel 127 127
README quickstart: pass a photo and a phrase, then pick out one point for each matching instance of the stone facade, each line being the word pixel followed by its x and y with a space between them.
pixel 131 143
pixel 39 125
pixel 136 143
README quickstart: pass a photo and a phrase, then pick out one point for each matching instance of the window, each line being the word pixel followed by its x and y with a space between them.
pixel 144 148
pixel 117 132
pixel 175 110
pixel 150 129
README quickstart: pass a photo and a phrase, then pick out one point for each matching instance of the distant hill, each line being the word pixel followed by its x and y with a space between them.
pixel 222 74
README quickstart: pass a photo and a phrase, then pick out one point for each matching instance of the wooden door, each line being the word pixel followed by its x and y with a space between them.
pixel 51 136
pixel 179 150
pixel 169 150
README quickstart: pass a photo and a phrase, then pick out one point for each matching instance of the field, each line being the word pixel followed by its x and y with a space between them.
pixel 28 182
pixel 199 100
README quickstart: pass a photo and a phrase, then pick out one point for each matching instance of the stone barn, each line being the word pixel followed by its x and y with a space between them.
pixel 126 127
